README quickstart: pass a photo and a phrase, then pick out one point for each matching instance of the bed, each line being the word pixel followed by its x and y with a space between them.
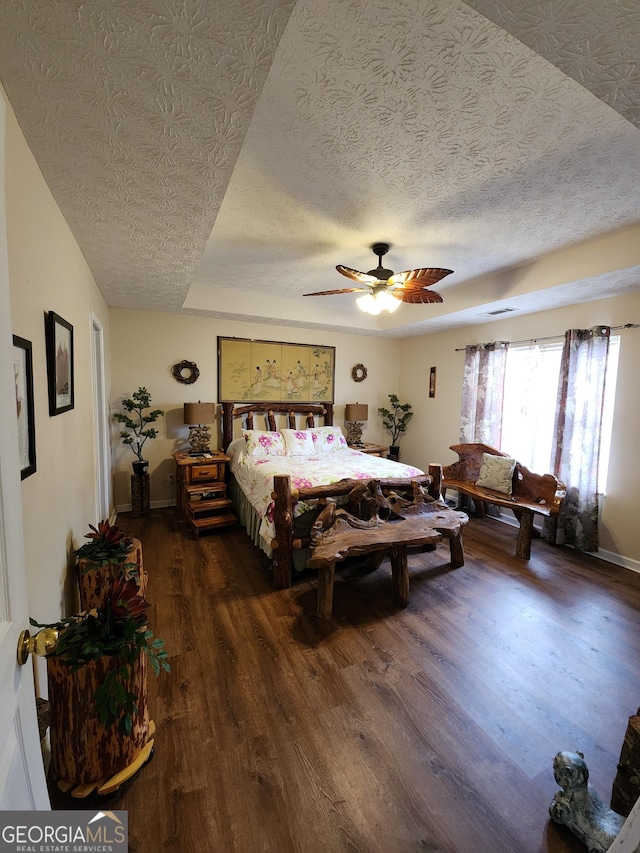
pixel 283 476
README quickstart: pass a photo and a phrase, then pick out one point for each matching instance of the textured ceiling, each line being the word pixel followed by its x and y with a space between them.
pixel 223 157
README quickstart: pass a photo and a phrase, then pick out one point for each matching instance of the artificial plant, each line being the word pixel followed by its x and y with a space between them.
pixel 107 545
pixel 137 424
pixel 396 418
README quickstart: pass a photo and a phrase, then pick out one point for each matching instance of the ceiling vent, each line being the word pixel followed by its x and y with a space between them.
pixel 499 311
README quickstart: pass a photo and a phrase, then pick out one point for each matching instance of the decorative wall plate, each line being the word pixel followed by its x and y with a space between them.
pixel 186 372
pixel 359 373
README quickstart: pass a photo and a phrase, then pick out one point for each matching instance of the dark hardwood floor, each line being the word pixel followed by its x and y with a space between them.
pixel 426 729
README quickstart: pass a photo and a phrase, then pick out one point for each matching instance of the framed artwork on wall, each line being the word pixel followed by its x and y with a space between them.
pixel 59 338
pixel 275 372
pixel 23 380
pixel 432 382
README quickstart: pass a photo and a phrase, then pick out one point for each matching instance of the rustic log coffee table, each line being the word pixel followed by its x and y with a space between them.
pixel 427 524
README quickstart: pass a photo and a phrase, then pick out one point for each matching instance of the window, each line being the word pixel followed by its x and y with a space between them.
pixel 530 392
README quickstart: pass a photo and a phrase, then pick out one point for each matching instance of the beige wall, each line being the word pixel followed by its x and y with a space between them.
pixel 436 422
pixel 145 345
pixel 48 272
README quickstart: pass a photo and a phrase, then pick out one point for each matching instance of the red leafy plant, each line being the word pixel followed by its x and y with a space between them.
pixel 107 545
pixel 118 629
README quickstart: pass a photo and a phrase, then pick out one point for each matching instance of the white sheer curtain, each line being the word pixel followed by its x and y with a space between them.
pixel 575 451
pixel 577 432
pixel 483 393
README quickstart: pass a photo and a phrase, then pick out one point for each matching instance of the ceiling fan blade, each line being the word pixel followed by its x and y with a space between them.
pixel 418 278
pixel 362 277
pixel 417 296
pixel 332 292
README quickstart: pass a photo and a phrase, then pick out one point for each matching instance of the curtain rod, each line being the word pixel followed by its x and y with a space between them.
pixel 558 337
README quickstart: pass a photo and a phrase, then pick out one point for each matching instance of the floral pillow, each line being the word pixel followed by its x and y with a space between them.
pixel 328 439
pixel 496 473
pixel 298 442
pixel 262 443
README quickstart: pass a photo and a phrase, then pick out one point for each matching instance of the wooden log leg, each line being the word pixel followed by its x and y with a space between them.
pixel 523 545
pixel 480 508
pixel 400 575
pixel 326 577
pixel 435 486
pixel 283 523
pixel 374 560
pixel 457 552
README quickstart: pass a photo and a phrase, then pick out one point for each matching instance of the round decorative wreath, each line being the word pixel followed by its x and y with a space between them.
pixel 359 373
pixel 178 372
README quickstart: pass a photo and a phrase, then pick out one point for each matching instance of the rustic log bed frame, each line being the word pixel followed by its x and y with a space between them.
pixel 284 496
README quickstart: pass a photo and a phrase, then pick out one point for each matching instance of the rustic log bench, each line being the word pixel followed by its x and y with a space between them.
pixel 426 524
pixel 532 494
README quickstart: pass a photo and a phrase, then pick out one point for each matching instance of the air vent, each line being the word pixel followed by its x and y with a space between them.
pixel 499 311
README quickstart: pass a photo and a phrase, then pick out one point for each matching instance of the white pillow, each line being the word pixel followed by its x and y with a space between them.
pixel 237 446
pixel 328 439
pixel 298 442
pixel 263 443
pixel 496 473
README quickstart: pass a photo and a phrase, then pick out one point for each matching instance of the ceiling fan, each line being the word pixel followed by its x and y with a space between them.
pixel 384 290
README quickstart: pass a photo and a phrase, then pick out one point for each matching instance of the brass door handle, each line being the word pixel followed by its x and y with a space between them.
pixel 42 644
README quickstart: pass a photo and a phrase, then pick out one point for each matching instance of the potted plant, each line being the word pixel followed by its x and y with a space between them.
pixel 108 554
pixel 97 685
pixel 107 545
pixel 395 420
pixel 137 425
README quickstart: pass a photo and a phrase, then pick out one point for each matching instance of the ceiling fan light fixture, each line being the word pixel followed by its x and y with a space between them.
pixel 387 302
pixel 384 290
pixel 368 304
pixel 374 303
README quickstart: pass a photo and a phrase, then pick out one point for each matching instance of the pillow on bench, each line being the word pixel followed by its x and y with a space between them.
pixel 496 472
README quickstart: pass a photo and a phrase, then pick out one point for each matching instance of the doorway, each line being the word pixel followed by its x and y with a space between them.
pixel 100 421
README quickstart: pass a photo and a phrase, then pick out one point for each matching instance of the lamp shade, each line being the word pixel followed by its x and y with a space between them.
pixel 356 412
pixel 199 413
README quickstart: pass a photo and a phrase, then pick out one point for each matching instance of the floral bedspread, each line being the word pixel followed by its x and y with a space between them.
pixel 255 475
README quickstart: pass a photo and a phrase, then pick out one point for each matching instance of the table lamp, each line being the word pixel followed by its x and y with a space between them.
pixel 354 414
pixel 197 415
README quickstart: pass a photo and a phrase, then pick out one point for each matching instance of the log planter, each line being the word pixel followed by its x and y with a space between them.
pixel 83 751
pixel 94 580
pixel 140 495
pixel 626 785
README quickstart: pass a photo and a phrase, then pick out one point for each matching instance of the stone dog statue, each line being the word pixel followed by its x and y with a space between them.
pixel 579 807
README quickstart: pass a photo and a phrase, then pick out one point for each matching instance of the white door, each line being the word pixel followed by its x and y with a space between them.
pixel 628 841
pixel 22 780
pixel 100 421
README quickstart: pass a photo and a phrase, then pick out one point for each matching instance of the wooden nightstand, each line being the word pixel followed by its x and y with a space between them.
pixel 371 449
pixel 201 494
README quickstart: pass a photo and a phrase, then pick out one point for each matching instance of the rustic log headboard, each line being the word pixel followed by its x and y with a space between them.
pixel 230 411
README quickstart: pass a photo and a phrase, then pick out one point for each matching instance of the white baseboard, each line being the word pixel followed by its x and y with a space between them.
pixel 619 560
pixel 607 556
pixel 153 505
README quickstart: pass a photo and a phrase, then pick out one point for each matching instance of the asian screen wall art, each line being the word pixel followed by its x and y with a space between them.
pixel 59 338
pixel 23 380
pixel 275 372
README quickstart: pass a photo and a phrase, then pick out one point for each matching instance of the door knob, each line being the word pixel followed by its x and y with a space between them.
pixel 42 644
